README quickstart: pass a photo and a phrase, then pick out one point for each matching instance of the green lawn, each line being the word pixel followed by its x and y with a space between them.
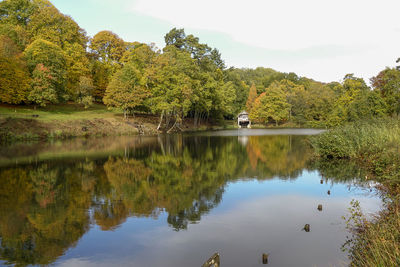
pixel 58 112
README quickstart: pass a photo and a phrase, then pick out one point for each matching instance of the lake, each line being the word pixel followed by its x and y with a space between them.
pixel 175 200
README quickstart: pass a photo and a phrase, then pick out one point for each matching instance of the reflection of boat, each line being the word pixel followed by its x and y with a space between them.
pixel 243 120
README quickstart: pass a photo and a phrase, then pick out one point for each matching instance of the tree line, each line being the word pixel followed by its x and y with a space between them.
pixel 46 58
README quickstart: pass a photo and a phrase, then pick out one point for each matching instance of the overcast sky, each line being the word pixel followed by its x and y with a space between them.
pixel 319 39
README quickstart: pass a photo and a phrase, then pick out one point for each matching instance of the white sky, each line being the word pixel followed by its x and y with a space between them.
pixel 320 39
pixel 323 39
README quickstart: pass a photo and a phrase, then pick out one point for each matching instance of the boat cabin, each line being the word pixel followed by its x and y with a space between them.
pixel 243 120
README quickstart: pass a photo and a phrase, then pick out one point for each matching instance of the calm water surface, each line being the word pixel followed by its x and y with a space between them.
pixel 175 200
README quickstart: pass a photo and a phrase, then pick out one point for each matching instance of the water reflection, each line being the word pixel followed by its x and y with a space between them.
pixel 52 194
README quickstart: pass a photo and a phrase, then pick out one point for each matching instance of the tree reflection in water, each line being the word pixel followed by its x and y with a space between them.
pixel 46 207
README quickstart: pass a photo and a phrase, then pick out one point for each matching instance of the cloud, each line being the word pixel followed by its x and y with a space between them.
pixel 284 24
pixel 323 40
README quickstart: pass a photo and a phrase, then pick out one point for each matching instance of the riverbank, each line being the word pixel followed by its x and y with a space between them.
pixel 25 123
pixel 376 145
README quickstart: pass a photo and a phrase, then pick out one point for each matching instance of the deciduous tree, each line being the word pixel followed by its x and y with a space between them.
pixel 52 57
pixel 126 90
pixel 252 98
pixel 271 105
pixel 43 87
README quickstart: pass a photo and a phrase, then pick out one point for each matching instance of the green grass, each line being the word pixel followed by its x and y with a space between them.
pixel 58 112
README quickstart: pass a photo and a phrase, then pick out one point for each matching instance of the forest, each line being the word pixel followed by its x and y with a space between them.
pixel 47 58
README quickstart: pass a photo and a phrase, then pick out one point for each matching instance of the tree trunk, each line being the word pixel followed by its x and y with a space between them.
pixel 167 119
pixel 161 119
pixel 196 117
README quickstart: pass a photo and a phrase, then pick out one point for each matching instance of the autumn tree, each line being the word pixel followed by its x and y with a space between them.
pixel 14 76
pixel 43 87
pixel 252 97
pixel 52 57
pixel 77 66
pixel 271 105
pixel 126 90
pixel 47 23
pixel 107 49
pixel 107 46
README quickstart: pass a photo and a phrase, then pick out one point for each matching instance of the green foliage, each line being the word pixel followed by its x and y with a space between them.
pixel 44 89
pixel 53 58
pixel 16 33
pixel 14 76
pixel 374 243
pixel 47 23
pixel 85 92
pixel 126 89
pixel 14 82
pixel 77 65
pixel 101 73
pixel 241 91
pixel 173 83
pixel 196 82
pixel 17 12
pixel 387 82
pixel 357 139
pixel 107 46
pixel 271 106
pixel 354 100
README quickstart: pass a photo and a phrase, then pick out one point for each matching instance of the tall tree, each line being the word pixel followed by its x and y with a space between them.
pixel 126 90
pixel 252 97
pixel 52 57
pixel 77 66
pixel 387 82
pixel 348 92
pixel 175 37
pixel 107 46
pixel 49 24
pixel 173 84
pixel 295 97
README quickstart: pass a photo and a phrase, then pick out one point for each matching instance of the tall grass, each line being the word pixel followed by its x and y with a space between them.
pixel 377 242
pixel 359 139
pixel 376 145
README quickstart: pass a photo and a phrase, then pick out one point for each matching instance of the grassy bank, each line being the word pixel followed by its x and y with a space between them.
pixel 61 121
pixel 375 145
pixel 26 123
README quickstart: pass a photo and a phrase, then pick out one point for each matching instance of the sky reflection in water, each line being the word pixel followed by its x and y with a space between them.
pixel 174 201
